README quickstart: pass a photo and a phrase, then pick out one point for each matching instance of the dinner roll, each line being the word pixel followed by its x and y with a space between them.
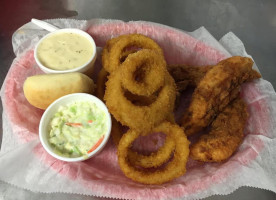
pixel 42 90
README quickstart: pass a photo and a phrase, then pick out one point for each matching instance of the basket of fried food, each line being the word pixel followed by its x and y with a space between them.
pixel 142 93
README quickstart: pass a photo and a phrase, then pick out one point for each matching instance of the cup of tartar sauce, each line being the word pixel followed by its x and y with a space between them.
pixel 66 50
pixel 75 127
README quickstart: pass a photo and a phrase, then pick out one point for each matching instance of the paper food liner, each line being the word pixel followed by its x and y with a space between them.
pixel 25 164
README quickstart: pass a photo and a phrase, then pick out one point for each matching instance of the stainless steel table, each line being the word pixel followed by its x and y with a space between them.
pixel 253 21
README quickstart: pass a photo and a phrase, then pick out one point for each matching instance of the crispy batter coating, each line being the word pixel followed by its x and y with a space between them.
pixel 106 53
pixel 185 75
pixel 141 117
pixel 113 51
pixel 155 159
pixel 225 136
pixel 124 110
pixel 140 69
pixel 216 89
pixel 175 168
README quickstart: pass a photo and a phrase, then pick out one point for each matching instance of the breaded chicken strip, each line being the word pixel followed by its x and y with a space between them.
pixel 185 75
pixel 215 90
pixel 225 135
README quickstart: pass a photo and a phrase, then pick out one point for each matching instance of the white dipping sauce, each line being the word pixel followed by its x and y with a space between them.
pixel 64 51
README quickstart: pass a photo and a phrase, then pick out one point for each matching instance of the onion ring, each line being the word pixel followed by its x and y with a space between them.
pixel 121 43
pixel 102 76
pixel 117 129
pixel 106 50
pixel 155 159
pixel 140 117
pixel 152 63
pixel 135 99
pixel 175 168
pixel 140 100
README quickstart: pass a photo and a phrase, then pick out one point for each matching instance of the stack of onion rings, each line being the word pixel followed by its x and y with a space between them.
pixel 140 94
pixel 140 117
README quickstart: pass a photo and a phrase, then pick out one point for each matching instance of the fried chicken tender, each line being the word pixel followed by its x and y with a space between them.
pixel 185 75
pixel 219 86
pixel 225 136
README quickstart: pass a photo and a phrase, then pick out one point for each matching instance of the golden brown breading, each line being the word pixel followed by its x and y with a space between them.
pixel 225 136
pixel 215 90
pixel 185 75
pixel 237 60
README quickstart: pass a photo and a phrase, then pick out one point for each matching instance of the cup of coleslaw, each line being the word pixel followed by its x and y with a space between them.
pixel 75 127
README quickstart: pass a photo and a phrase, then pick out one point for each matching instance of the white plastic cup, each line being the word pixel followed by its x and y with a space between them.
pixel 86 68
pixel 53 108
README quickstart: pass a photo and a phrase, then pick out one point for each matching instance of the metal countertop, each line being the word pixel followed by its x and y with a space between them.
pixel 253 21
